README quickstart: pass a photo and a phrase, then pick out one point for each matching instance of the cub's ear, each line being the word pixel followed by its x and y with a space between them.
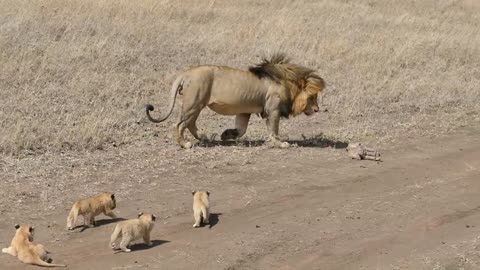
pixel 17 226
pixel 154 217
pixel 112 196
pixel 31 228
pixel 208 193
pixel 193 192
pixel 139 214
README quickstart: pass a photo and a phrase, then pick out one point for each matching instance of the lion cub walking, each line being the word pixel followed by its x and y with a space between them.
pixel 90 208
pixel 132 230
pixel 200 207
pixel 26 251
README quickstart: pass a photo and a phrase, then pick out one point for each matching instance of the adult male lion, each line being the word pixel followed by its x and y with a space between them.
pixel 274 88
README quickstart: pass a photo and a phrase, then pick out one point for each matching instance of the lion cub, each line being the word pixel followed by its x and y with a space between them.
pixel 90 208
pixel 26 251
pixel 200 207
pixel 132 230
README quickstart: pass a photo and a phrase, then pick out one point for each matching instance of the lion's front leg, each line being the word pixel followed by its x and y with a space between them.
pixel 241 125
pixel 273 122
pixel 273 139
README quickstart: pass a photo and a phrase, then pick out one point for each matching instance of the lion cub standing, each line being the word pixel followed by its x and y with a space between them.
pixel 90 208
pixel 26 251
pixel 132 230
pixel 200 207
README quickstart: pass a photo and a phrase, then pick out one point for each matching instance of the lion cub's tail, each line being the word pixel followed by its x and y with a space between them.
pixel 45 264
pixel 177 87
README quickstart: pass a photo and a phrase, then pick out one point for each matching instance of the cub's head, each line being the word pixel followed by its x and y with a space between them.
pixel 200 192
pixel 25 230
pixel 147 217
pixel 110 200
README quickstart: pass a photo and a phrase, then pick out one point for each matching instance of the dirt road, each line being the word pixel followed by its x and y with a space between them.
pixel 312 209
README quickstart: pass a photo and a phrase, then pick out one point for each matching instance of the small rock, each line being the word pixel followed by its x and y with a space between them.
pixel 256 226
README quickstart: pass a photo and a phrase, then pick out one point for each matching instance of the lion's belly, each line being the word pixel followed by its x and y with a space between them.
pixel 228 109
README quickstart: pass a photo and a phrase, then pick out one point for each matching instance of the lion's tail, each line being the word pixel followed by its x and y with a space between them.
pixel 176 88
pixel 39 262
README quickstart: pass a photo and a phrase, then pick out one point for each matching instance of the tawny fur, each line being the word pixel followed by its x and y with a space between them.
pixel 90 208
pixel 133 229
pixel 201 207
pixel 26 251
pixel 273 89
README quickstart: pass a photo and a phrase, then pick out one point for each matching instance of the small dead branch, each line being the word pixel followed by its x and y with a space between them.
pixel 360 152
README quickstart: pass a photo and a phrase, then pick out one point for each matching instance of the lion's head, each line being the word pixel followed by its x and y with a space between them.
pixel 301 84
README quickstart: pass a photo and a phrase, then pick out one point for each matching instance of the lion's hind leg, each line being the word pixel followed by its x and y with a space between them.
pixel 187 120
pixel 10 250
pixel 196 95
pixel 42 253
pixel 192 127
pixel 180 137
pixel 197 215
pixel 125 243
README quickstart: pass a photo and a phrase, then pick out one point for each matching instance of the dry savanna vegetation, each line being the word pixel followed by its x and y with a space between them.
pixel 77 74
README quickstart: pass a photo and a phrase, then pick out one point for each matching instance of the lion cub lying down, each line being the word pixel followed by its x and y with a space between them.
pixel 132 230
pixel 26 251
pixel 91 207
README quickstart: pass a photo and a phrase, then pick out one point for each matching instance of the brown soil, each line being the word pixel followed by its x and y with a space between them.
pixel 300 208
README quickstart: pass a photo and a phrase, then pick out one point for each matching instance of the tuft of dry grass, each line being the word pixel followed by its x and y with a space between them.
pixel 76 74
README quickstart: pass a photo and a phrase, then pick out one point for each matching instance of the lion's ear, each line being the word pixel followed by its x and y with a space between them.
pixel 208 193
pixel 17 226
pixel 140 214
pixel 193 192
pixel 112 196
pixel 154 217
pixel 31 228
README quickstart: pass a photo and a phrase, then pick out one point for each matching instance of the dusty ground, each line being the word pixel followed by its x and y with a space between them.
pixel 76 74
pixel 301 208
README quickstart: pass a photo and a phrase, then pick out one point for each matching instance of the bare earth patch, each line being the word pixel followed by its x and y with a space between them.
pixel 301 208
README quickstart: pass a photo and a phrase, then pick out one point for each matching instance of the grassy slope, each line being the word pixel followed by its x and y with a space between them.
pixel 76 74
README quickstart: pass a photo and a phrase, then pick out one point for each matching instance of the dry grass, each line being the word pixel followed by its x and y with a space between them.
pixel 76 74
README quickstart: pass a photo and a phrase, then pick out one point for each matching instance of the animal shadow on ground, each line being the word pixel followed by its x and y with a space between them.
pixel 246 143
pixel 101 222
pixel 319 140
pixel 213 219
pixel 143 246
